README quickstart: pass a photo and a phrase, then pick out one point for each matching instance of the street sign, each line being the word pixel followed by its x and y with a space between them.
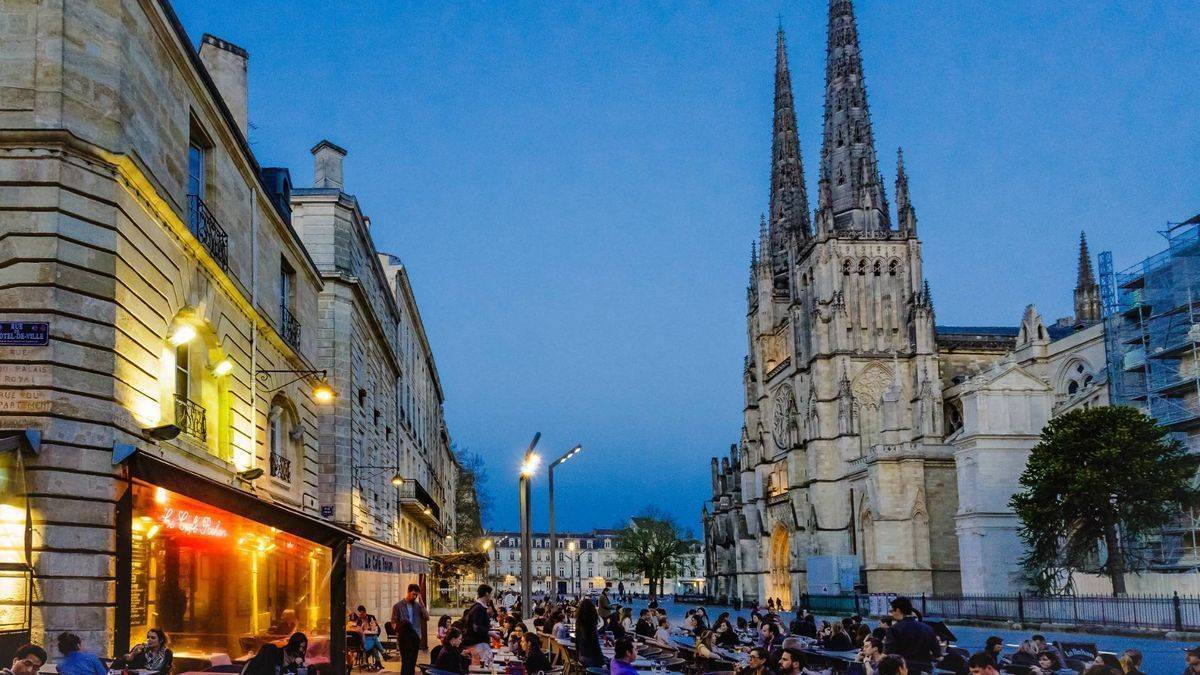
pixel 326 511
pixel 24 333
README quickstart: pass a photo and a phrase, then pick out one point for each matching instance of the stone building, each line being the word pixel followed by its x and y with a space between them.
pixel 171 451
pixel 375 471
pixel 170 304
pixel 586 564
pixel 860 414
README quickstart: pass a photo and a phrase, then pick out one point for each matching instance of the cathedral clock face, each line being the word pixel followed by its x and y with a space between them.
pixel 785 409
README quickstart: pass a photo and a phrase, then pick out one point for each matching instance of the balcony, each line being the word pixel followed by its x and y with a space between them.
pixel 289 327
pixel 281 467
pixel 191 418
pixel 204 225
pixel 417 502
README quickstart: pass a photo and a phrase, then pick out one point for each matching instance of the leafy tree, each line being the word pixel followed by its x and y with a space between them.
pixel 651 545
pixel 1099 474
pixel 470 501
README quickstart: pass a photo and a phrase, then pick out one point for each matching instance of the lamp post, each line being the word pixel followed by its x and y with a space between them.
pixel 575 566
pixel 553 537
pixel 528 468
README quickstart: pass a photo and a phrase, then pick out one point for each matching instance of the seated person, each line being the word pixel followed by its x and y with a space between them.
pixel 449 656
pixel 536 660
pixel 624 654
pixel 151 654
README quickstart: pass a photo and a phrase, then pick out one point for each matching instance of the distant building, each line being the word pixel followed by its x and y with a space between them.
pixel 588 568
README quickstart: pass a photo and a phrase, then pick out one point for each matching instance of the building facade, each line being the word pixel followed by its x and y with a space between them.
pixel 167 306
pixel 374 469
pixel 171 451
pixel 864 422
pixel 587 563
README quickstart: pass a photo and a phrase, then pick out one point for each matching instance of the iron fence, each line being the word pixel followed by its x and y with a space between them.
pixel 1164 612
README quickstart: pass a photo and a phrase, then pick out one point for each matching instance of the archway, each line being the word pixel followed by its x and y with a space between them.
pixel 779 580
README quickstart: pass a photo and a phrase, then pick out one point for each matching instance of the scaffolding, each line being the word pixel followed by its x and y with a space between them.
pixel 1152 336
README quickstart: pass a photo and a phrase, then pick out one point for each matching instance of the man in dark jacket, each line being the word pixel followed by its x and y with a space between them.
pixel 478 626
pixel 911 638
pixel 644 626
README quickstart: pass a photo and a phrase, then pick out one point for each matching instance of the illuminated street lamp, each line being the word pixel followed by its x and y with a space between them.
pixel 529 466
pixel 553 538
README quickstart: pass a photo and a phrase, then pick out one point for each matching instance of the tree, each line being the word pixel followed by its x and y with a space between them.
pixel 470 502
pixel 650 546
pixel 1099 474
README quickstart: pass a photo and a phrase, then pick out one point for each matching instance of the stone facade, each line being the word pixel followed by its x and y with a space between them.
pixel 853 443
pixel 103 237
pixel 189 325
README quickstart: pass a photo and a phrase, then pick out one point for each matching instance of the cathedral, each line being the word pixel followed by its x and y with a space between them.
pixel 879 450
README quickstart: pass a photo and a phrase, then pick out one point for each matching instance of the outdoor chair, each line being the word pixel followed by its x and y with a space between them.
pixel 354 649
pixel 390 646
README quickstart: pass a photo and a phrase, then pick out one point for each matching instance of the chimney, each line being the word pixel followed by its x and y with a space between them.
pixel 327 165
pixel 226 64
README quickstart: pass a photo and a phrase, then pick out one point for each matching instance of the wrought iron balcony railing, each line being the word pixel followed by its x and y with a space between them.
pixel 191 418
pixel 289 327
pixel 281 467
pixel 204 225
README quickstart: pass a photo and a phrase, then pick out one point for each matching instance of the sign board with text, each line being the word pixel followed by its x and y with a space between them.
pixel 24 333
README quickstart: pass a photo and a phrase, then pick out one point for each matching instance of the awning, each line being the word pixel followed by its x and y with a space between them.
pixel 372 555
pixel 159 472
pixel 447 563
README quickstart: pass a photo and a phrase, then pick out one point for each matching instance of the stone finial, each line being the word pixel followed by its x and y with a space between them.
pixel 327 165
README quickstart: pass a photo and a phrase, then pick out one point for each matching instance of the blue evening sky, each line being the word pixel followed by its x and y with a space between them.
pixel 574 187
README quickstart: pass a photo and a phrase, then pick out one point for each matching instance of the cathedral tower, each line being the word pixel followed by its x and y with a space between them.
pixel 1087 291
pixel 843 452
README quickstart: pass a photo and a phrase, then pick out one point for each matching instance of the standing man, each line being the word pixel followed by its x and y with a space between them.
pixel 621 590
pixel 604 609
pixel 412 610
pixel 478 626
pixel 911 638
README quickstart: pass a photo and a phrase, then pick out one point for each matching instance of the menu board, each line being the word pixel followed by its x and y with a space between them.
pixel 140 587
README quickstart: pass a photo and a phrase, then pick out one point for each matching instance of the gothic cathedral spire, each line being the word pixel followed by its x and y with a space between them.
pixel 905 213
pixel 789 198
pixel 1087 291
pixel 851 194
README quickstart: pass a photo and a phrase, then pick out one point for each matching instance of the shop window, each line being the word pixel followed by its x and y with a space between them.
pixel 15 614
pixel 219 583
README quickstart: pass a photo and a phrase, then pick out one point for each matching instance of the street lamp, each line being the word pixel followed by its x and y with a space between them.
pixel 553 538
pixel 575 566
pixel 529 467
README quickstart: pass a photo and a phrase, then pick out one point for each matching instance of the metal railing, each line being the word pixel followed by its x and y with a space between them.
pixel 289 327
pixel 281 467
pixel 191 418
pixel 204 225
pixel 1164 612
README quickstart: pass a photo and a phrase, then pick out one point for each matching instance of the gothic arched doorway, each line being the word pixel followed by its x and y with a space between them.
pixel 779 581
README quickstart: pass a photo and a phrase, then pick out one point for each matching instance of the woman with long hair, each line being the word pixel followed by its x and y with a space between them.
pixel 587 634
pixel 536 660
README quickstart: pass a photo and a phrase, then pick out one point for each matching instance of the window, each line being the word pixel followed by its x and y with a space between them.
pixel 608 543
pixel 289 326
pixel 197 156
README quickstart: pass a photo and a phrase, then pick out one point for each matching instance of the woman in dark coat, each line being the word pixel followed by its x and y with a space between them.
pixel 536 660
pixel 450 656
pixel 587 634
